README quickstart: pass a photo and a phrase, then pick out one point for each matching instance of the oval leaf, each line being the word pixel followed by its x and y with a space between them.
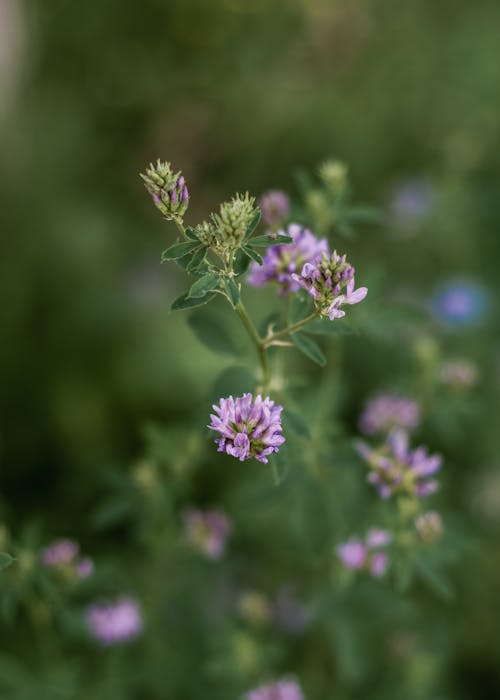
pixel 309 348
pixel 205 284
pixel 5 560
pixel 232 290
pixel 186 302
pixel 264 241
pixel 253 224
pixel 178 250
pixel 253 254
pixel 209 331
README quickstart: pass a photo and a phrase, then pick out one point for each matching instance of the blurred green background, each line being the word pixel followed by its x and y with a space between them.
pixel 238 94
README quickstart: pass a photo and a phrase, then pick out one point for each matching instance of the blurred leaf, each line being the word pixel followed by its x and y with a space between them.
pixel 111 513
pixel 178 250
pixel 209 331
pixel 323 326
pixel 205 284
pixel 309 348
pixel 186 302
pixel 364 214
pixel 434 579
pixel 264 241
pixel 295 423
pixel 232 290
pixel 5 560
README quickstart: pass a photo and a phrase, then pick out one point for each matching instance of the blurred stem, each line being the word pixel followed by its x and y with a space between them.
pixel 289 329
pixel 257 341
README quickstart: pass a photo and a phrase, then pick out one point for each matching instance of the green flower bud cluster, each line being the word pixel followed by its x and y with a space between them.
pixel 233 221
pixel 334 175
pixel 168 190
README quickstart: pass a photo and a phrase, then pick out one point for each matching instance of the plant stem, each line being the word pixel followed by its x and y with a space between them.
pixel 179 225
pixel 289 329
pixel 257 341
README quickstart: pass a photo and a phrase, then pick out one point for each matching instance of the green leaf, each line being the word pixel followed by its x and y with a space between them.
pixel 253 224
pixel 232 290
pixel 364 214
pixel 191 233
pixel 434 578
pixel 187 302
pixel 178 250
pixel 209 331
pixel 197 259
pixel 205 284
pixel 253 254
pixel 241 262
pixel 309 348
pixel 264 241
pixel 5 560
pixel 323 326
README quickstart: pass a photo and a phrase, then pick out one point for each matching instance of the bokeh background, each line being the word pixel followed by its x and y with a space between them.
pixel 239 95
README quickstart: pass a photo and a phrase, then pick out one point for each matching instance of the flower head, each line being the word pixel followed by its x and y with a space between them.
pixel 207 531
pixel 460 303
pixel 248 427
pixel 395 468
pixel 63 557
pixel 329 280
pixel 226 231
pixel 168 189
pixel 429 526
pixel 367 554
pixel 282 261
pixel 384 412
pixel 275 207
pixel 115 622
pixel 285 689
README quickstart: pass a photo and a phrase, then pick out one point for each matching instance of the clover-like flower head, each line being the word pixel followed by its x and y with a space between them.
pixel 249 427
pixel 168 189
pixel 329 280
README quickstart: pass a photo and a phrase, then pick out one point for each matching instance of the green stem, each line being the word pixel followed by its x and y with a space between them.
pixel 257 341
pixel 289 329
pixel 179 225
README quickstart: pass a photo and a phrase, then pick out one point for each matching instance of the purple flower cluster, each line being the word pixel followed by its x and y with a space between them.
pixel 395 468
pixel 63 556
pixel 384 412
pixel 460 303
pixel 275 207
pixel 281 262
pixel 329 280
pixel 285 689
pixel 115 622
pixel 168 189
pixel 207 531
pixel 368 555
pixel 248 427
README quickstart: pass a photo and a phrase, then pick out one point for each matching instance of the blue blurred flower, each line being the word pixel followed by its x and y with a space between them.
pixel 460 302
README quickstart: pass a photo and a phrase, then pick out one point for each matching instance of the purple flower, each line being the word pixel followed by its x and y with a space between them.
pixel 384 412
pixel 290 614
pixel 63 556
pixel 356 554
pixel 429 526
pixel 329 280
pixel 412 202
pixel 207 531
pixel 394 468
pixel 115 622
pixel 249 427
pixel 61 551
pixel 285 689
pixel 281 262
pixel 460 303
pixel 275 207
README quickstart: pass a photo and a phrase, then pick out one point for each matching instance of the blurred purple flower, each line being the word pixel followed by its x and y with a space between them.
pixel 356 554
pixel 249 427
pixel 290 614
pixel 460 303
pixel 275 207
pixel 207 531
pixel 384 412
pixel 115 622
pixel 329 280
pixel 285 689
pixel 282 261
pixel 63 555
pixel 395 468
pixel 412 202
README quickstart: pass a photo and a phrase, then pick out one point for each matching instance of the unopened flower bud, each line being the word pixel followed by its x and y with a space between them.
pixel 168 189
pixel 429 526
pixel 232 221
pixel 334 174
